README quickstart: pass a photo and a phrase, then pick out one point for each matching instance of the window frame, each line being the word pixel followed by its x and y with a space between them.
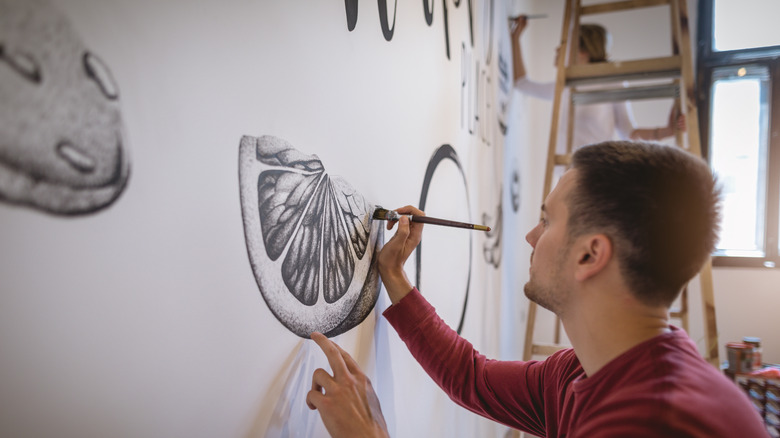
pixel 709 61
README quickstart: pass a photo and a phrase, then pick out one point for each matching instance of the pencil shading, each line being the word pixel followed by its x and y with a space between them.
pixel 62 147
pixel 310 238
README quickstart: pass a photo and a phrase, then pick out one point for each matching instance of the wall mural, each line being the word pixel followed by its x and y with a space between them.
pixel 444 152
pixel 492 247
pixel 388 28
pixel 310 238
pixel 514 188
pixel 61 147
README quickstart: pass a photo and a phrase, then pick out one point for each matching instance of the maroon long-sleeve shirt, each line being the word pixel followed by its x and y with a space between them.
pixel 659 388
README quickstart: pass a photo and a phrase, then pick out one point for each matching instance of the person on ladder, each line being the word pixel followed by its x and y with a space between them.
pixel 592 122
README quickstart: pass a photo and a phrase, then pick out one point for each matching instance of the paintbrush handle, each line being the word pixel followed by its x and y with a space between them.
pixel 528 16
pixel 447 223
pixel 392 215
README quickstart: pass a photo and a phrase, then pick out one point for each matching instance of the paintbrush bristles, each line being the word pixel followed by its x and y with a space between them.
pixel 385 215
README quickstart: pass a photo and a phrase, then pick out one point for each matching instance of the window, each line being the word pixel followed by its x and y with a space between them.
pixel 739 86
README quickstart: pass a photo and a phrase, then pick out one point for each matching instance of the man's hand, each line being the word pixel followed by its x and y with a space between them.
pixel 347 402
pixel 396 251
pixel 677 121
pixel 517 26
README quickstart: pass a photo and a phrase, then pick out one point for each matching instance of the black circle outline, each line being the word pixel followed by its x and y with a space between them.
pixel 442 153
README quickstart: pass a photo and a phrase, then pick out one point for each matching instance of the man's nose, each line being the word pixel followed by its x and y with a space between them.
pixel 532 236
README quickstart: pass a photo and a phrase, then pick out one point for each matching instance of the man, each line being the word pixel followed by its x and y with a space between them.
pixel 621 234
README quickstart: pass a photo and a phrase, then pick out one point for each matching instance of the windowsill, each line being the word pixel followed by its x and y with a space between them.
pixel 744 262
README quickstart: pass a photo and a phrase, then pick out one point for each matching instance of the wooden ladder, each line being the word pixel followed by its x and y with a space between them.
pixel 675 74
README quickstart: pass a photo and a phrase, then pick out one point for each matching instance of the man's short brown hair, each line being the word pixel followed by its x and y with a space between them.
pixel 659 205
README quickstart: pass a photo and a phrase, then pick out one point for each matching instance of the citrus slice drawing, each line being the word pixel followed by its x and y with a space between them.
pixel 310 238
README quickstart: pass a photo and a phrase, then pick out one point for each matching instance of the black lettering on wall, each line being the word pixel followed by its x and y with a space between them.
pixel 428 10
pixel 446 27
pixel 471 18
pixel 387 30
pixel 465 63
pixel 487 31
pixel 474 102
pixel 351 7
pixel 485 106
pixel 478 100
pixel 476 77
pixel 469 91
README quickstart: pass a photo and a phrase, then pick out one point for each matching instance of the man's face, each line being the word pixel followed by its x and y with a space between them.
pixel 548 282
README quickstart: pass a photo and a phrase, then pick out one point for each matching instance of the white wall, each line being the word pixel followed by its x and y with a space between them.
pixel 144 319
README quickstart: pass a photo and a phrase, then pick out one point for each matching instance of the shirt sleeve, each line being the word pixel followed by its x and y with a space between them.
pixel 624 120
pixel 539 90
pixel 508 392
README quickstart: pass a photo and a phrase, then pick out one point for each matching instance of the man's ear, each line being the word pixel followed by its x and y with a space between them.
pixel 595 253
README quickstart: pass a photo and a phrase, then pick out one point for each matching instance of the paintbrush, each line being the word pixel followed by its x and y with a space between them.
pixel 528 16
pixel 390 215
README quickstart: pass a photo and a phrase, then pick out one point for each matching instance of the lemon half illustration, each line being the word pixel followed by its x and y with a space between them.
pixel 310 238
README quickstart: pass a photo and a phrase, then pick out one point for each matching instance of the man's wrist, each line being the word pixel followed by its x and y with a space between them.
pixel 397 286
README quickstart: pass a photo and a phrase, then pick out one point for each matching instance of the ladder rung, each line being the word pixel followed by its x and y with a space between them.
pixel 677 313
pixel 620 6
pixel 547 349
pixel 603 72
pixel 625 93
pixel 562 159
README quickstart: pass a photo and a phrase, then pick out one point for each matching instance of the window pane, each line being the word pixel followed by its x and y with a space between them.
pixel 738 156
pixel 745 24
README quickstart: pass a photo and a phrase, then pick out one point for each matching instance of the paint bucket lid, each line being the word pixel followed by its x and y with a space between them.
pixel 737 345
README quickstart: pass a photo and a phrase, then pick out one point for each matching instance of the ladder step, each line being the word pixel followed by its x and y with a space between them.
pixel 547 349
pixel 562 159
pixel 605 72
pixel 676 313
pixel 625 93
pixel 620 6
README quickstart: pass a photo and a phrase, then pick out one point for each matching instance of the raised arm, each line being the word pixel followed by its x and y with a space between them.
pixel 676 123
pixel 516 27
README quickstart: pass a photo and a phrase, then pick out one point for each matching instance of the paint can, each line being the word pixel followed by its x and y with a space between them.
pixel 740 357
pixel 756 344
